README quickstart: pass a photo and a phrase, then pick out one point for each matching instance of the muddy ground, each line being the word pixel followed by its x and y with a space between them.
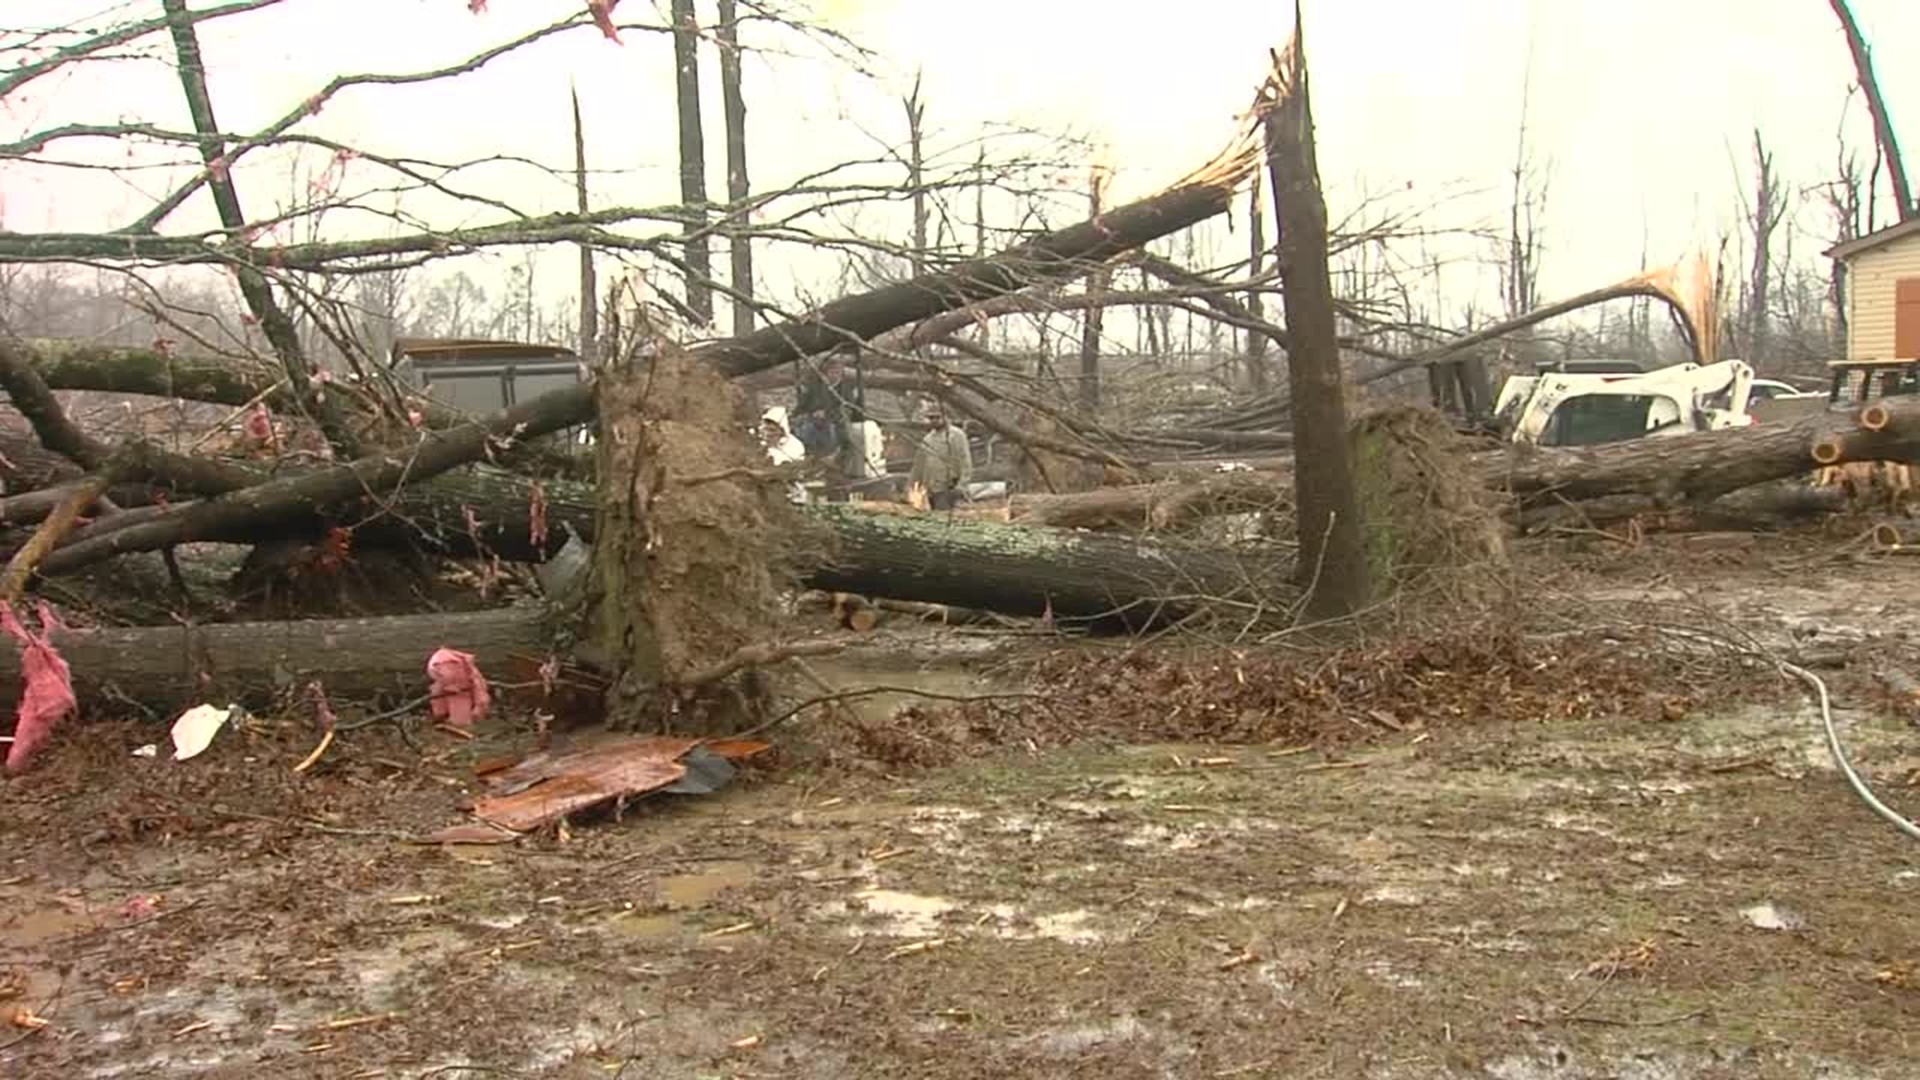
pixel 1686 890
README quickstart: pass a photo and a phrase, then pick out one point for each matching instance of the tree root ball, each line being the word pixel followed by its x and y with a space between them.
pixel 693 539
pixel 1429 524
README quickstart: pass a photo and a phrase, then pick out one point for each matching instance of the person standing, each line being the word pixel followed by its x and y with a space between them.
pixel 783 448
pixel 943 464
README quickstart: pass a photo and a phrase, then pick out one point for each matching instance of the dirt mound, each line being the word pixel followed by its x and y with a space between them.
pixel 1469 675
pixel 1431 527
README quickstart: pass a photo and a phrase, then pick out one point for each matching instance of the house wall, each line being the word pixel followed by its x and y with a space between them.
pixel 1872 280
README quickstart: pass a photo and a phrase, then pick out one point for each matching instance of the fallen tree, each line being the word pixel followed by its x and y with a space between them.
pixel 164 666
pixel 1033 571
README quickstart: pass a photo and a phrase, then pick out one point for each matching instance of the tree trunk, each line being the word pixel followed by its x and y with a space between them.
pixel 1332 561
pixel 693 157
pixel 170 666
pixel 1883 131
pixel 734 105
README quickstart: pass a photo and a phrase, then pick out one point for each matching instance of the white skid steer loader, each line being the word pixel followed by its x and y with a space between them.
pixel 1578 409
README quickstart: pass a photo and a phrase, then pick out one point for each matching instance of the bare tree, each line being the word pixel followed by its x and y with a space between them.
pixel 1093 323
pixel 916 174
pixel 1520 279
pixel 1883 131
pixel 734 105
pixel 693 157
pixel 1765 212
pixel 1332 561
pixel 1257 379
pixel 589 288
pixel 254 288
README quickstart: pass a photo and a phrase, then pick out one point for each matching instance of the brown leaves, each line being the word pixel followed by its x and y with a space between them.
pixel 601 11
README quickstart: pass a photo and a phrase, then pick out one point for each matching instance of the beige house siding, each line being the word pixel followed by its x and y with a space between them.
pixel 1872 277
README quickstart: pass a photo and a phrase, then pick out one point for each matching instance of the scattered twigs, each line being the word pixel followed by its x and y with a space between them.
pixel 841 696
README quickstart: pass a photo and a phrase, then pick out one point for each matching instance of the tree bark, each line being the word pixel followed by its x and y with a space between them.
pixel 1883 131
pixel 734 107
pixel 1332 561
pixel 693 157
pixel 168 666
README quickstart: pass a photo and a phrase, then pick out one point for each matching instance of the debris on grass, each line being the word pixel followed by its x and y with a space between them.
pixel 459 691
pixel 47 685
pixel 546 787
pixel 194 731
pixel 1769 916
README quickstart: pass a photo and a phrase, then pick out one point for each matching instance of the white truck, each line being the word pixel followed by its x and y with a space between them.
pixel 1589 408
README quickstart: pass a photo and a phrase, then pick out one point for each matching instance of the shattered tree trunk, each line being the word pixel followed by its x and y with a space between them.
pixel 164 666
pixel 1333 564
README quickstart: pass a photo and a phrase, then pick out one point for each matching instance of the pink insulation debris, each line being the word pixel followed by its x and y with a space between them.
pixel 48 685
pixel 459 691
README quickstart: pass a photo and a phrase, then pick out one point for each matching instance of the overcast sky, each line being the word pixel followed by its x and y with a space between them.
pixel 1643 109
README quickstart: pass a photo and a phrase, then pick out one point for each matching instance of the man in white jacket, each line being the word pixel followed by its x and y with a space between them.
pixel 782 447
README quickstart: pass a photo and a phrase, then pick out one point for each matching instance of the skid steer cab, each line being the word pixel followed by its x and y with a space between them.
pixel 1590 408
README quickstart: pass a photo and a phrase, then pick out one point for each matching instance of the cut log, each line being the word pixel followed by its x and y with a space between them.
pixel 168 666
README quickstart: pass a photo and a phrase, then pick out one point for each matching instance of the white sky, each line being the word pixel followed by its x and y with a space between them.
pixel 1643 108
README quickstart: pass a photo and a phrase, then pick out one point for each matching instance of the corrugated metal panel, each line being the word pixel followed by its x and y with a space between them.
pixel 1873 284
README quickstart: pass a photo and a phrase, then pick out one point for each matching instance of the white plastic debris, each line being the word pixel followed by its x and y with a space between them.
pixel 1771 917
pixel 195 729
pixel 149 750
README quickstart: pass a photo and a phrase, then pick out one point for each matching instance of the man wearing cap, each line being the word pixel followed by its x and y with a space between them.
pixel 943 463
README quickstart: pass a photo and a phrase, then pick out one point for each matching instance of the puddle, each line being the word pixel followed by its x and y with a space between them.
pixel 697 890
pixel 43 924
pixel 1081 1039
pixel 905 914
pixel 648 927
